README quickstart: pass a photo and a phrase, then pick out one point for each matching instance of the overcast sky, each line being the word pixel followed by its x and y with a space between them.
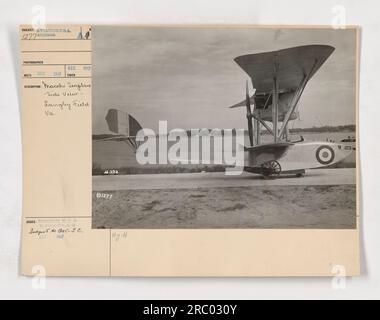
pixel 187 76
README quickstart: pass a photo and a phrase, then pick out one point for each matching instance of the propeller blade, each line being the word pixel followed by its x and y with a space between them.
pixel 247 100
pixel 250 131
pixel 249 114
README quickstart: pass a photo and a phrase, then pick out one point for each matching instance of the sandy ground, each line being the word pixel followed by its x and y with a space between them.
pixel 270 206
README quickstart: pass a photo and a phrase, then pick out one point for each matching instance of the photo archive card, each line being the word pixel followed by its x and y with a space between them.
pixel 190 150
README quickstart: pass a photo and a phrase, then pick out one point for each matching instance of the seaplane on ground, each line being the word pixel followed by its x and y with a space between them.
pixel 279 79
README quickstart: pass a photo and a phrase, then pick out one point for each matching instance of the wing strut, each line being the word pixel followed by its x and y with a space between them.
pixel 296 98
pixel 275 104
pixel 263 123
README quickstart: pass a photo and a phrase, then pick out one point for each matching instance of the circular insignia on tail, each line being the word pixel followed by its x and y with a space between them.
pixel 325 155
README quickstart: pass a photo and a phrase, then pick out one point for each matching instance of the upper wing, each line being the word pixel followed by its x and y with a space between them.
pixel 292 65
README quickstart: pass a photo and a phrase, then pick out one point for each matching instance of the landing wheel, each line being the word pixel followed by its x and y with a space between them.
pixel 271 169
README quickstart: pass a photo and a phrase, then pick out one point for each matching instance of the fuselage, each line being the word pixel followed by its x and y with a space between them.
pixel 306 155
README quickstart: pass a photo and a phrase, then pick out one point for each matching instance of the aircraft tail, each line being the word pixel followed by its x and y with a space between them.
pixel 125 125
pixel 122 123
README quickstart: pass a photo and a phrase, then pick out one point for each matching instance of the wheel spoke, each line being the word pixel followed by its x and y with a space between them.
pixel 271 168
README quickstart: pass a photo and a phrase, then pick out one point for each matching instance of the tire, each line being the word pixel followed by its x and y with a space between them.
pixel 271 169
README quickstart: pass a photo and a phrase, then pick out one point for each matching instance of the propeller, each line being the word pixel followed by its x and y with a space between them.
pixel 249 114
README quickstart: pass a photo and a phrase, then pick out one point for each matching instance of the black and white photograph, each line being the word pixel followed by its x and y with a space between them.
pixel 224 127
pixel 189 156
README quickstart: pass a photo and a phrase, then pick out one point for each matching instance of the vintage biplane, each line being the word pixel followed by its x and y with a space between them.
pixel 279 79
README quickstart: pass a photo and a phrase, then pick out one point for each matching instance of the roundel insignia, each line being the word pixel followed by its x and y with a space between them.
pixel 325 155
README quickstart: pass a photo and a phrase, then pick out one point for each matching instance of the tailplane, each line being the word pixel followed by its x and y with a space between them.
pixel 124 125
